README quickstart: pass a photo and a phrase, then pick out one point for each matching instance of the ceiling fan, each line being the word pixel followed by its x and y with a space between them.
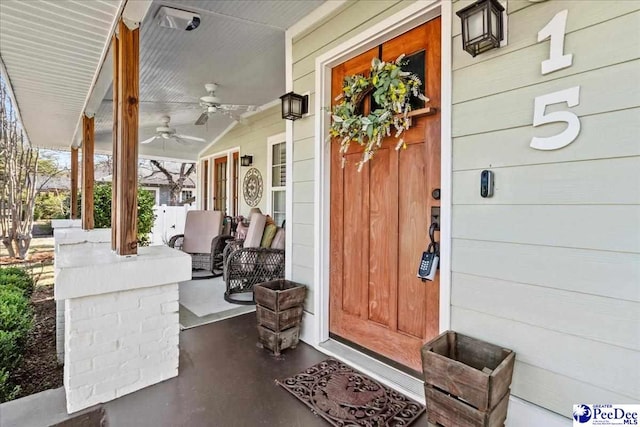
pixel 211 105
pixel 166 132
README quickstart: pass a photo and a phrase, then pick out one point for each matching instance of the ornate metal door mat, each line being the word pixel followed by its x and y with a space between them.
pixel 345 397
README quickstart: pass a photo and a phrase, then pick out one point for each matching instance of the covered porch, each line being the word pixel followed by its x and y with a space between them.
pixel 524 262
pixel 210 356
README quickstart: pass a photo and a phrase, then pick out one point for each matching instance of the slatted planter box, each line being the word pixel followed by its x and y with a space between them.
pixel 279 307
pixel 280 294
pixel 279 320
pixel 278 341
pixel 467 380
pixel 446 410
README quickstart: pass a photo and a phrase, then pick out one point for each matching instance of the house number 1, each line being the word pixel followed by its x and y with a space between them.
pixel 555 31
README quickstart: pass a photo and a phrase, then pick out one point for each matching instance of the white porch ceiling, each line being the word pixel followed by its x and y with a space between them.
pixel 51 51
pixel 239 45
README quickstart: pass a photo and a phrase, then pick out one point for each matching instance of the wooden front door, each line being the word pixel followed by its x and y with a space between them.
pixel 380 219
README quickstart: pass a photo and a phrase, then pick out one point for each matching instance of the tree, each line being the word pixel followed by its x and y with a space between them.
pixel 175 185
pixel 49 167
pixel 18 169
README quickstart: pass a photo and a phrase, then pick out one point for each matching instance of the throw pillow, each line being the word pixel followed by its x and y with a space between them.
pixel 270 220
pixel 278 240
pixel 268 235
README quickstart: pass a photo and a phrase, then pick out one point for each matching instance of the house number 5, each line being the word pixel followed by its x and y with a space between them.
pixel 555 31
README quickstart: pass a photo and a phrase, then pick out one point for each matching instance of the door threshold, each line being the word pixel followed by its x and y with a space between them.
pixel 386 374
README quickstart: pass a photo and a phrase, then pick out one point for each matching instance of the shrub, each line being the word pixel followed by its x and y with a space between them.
pixel 51 205
pixel 102 210
pixel 18 277
pixel 7 390
pixel 16 319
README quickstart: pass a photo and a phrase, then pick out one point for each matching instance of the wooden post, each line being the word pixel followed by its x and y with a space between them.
pixel 114 172
pixel 87 173
pixel 127 144
pixel 74 183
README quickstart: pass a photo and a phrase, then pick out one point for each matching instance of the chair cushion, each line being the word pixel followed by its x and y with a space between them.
pixel 268 235
pixel 199 230
pixel 256 229
pixel 278 239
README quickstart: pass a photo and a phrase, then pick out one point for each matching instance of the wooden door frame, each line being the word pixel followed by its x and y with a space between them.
pixel 408 18
pixel 209 178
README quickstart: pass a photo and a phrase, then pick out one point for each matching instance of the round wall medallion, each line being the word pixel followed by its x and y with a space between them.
pixel 252 187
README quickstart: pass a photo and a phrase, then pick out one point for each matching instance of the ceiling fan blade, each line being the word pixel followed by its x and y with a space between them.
pixel 146 141
pixel 192 138
pixel 202 119
pixel 233 107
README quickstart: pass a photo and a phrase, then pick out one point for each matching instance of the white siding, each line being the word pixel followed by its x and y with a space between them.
pixel 550 266
pixel 251 136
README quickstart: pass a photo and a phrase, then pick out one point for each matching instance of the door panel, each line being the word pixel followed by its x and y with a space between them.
pixel 383 222
pixel 380 219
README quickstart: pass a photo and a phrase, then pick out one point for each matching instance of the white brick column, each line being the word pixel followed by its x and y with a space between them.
pixel 121 316
pixel 68 231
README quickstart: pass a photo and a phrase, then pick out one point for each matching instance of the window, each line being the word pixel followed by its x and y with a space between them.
pixel 234 184
pixel 278 181
pixel 186 196
pixel 220 184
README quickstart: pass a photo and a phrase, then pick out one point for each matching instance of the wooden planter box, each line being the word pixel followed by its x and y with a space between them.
pixel 279 320
pixel 279 294
pixel 472 378
pixel 449 411
pixel 278 341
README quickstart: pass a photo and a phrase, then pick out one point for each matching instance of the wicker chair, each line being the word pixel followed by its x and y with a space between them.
pixel 203 241
pixel 246 263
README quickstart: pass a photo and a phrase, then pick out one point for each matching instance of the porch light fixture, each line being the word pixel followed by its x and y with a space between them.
pixel 246 160
pixel 482 26
pixel 294 106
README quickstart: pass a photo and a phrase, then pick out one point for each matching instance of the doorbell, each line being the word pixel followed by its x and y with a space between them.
pixel 486 183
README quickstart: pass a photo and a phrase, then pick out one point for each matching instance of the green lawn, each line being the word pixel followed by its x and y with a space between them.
pixel 39 263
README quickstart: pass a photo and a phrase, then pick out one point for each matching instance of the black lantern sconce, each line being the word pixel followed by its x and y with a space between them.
pixel 482 26
pixel 246 160
pixel 294 106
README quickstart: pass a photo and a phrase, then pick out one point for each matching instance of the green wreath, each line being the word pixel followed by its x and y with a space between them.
pixel 392 90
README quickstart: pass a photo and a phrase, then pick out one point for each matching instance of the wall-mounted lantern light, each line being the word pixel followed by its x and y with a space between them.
pixel 482 26
pixel 246 160
pixel 294 106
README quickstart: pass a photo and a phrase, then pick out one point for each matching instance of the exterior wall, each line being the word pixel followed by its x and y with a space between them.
pixel 121 318
pixel 68 232
pixel 251 136
pixel 549 266
pixel 306 48
pixel 118 343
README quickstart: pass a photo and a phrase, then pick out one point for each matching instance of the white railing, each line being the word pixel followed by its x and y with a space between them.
pixel 169 222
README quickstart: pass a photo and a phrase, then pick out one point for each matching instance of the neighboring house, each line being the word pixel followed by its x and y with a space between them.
pixel 154 181
pixel 56 184
pixel 158 184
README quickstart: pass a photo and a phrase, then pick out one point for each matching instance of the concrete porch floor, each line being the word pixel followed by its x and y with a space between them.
pixel 225 380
